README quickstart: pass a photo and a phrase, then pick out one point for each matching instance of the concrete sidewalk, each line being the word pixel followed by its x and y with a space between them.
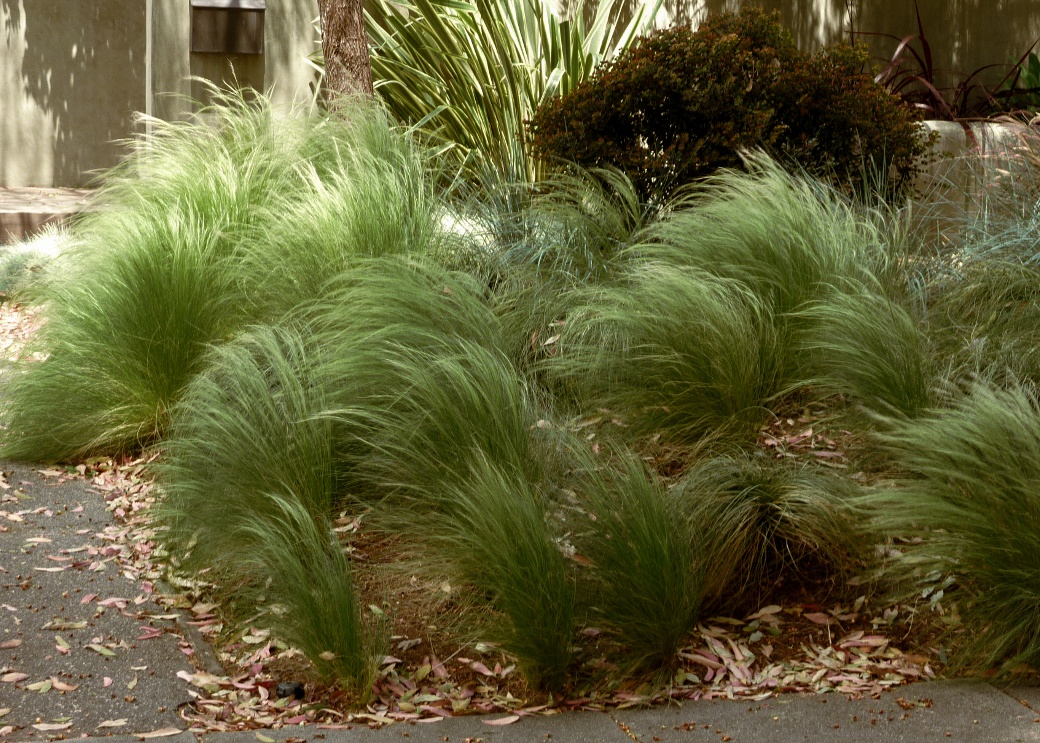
pixel 919 713
pixel 81 640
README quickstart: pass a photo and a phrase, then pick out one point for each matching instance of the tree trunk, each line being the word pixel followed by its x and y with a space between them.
pixel 344 42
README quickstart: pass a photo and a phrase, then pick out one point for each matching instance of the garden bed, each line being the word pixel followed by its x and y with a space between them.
pixel 768 439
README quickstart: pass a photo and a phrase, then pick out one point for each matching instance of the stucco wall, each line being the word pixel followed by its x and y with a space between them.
pixel 74 72
pixel 71 77
pixel 289 36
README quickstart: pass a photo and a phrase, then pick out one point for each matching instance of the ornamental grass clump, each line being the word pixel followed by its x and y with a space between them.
pixel 972 497
pixel 417 369
pixel 766 524
pixel 788 238
pixel 247 425
pixel 121 339
pixel 860 343
pixel 495 532
pixel 673 350
pixel 309 576
pixel 178 254
pixel 250 487
pixel 645 559
pixel 367 197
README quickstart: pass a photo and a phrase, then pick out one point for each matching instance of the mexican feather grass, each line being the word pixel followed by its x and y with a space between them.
pixel 973 499
pixel 646 559
pixel 250 489
pixel 179 255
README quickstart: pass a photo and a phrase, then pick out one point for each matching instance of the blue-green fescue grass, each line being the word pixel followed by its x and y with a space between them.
pixel 765 522
pixel 646 559
pixel 973 496
pixel 580 226
pixel 159 270
pixel 673 350
pixel 250 487
pixel 862 344
pixel 23 264
pixel 574 234
pixel 985 320
pixel 982 224
pixel 498 537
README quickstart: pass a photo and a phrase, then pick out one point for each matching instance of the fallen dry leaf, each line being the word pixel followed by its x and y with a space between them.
pixel 61 686
pixel 160 733
pixel 503 720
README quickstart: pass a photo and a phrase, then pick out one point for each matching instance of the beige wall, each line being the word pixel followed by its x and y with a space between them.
pixel 74 72
pixel 964 34
pixel 72 75
pixel 289 36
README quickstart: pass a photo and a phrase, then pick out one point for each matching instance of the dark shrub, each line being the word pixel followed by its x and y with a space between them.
pixel 681 104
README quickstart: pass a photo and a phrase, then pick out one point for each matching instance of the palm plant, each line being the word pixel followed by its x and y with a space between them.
pixel 471 73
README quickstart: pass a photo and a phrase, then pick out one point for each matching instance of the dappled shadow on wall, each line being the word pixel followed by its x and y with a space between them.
pixel 811 22
pixel 84 65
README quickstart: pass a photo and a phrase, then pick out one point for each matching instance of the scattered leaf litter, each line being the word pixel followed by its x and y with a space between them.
pixel 730 658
